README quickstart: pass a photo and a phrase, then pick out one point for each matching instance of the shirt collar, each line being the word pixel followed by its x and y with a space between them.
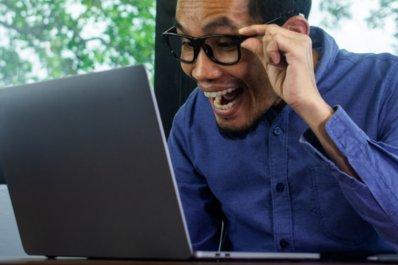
pixel 327 48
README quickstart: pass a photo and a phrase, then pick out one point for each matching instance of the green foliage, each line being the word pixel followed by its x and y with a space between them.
pixel 73 36
pixel 337 10
pixel 386 9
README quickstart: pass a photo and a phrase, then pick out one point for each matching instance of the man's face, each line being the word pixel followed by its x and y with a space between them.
pixel 249 92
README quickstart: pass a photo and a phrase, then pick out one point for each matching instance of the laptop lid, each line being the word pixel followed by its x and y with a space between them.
pixel 86 163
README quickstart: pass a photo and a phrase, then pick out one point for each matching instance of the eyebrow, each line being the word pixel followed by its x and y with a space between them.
pixel 220 22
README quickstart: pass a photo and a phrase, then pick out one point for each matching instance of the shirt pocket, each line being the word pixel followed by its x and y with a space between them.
pixel 337 218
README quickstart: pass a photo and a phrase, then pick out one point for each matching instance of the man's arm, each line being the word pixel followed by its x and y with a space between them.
pixel 374 193
pixel 374 197
pixel 316 115
pixel 366 170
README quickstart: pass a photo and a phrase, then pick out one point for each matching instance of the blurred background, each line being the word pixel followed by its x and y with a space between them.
pixel 43 39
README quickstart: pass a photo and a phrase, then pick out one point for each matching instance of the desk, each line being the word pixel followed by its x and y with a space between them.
pixel 129 262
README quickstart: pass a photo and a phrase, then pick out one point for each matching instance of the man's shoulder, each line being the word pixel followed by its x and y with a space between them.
pixel 193 119
pixel 193 108
pixel 371 68
pixel 374 61
pixel 188 106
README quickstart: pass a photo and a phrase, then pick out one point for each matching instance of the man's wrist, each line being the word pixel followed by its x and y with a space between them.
pixel 315 113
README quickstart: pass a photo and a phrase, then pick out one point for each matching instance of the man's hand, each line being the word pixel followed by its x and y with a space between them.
pixel 288 59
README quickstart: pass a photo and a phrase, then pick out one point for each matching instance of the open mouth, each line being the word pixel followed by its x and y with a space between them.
pixel 226 99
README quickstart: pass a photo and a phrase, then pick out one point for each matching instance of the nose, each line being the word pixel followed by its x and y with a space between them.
pixel 204 69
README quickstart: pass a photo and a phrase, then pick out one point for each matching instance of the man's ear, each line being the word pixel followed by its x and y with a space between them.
pixel 298 24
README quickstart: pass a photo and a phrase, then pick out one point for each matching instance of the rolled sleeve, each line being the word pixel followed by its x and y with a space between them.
pixel 375 199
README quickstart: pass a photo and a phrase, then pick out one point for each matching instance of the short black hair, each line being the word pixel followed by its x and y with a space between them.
pixel 281 10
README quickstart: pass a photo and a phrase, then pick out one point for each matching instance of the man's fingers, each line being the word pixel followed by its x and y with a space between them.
pixel 271 49
pixel 264 29
pixel 266 49
pixel 275 57
pixel 254 30
pixel 261 30
pixel 254 45
pixel 271 44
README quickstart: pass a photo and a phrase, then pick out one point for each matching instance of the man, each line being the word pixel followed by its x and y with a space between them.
pixel 291 141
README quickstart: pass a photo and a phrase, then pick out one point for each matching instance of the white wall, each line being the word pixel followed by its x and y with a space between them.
pixel 10 243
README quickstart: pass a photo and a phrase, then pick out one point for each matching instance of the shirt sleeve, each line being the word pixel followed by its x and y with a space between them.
pixel 375 197
pixel 202 210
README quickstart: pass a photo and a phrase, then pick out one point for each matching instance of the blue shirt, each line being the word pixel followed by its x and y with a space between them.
pixel 275 187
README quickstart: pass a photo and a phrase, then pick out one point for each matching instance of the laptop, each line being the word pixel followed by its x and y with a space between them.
pixel 89 173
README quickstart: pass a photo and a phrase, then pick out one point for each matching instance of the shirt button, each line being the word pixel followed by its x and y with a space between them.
pixel 278 131
pixel 280 187
pixel 283 243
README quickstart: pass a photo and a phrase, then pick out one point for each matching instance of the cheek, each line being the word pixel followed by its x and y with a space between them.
pixel 255 65
pixel 255 72
pixel 252 63
pixel 187 69
pixel 240 71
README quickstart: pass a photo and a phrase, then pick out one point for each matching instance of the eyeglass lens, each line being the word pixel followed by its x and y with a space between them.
pixel 223 49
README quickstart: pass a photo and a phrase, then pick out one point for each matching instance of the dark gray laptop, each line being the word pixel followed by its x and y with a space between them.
pixel 88 170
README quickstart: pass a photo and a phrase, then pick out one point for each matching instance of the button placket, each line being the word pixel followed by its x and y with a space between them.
pixel 278 131
pixel 280 187
pixel 282 223
pixel 283 243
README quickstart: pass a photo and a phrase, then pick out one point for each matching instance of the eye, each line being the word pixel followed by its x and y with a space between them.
pixel 226 44
pixel 186 43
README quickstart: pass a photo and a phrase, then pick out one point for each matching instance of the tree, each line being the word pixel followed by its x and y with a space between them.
pixel 338 10
pixel 386 9
pixel 68 37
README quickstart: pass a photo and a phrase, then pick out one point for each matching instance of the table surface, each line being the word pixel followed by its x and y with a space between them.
pixel 38 261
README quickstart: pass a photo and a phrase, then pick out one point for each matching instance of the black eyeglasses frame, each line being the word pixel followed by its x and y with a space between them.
pixel 199 42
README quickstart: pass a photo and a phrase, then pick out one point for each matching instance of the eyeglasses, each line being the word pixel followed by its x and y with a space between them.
pixel 221 49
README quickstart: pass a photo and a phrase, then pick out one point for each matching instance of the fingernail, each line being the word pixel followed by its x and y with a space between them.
pixel 276 58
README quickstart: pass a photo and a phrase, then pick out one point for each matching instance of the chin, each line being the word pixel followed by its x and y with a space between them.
pixel 237 129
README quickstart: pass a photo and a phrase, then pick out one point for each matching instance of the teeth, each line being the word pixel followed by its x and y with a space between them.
pixel 218 105
pixel 217 102
pixel 220 93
